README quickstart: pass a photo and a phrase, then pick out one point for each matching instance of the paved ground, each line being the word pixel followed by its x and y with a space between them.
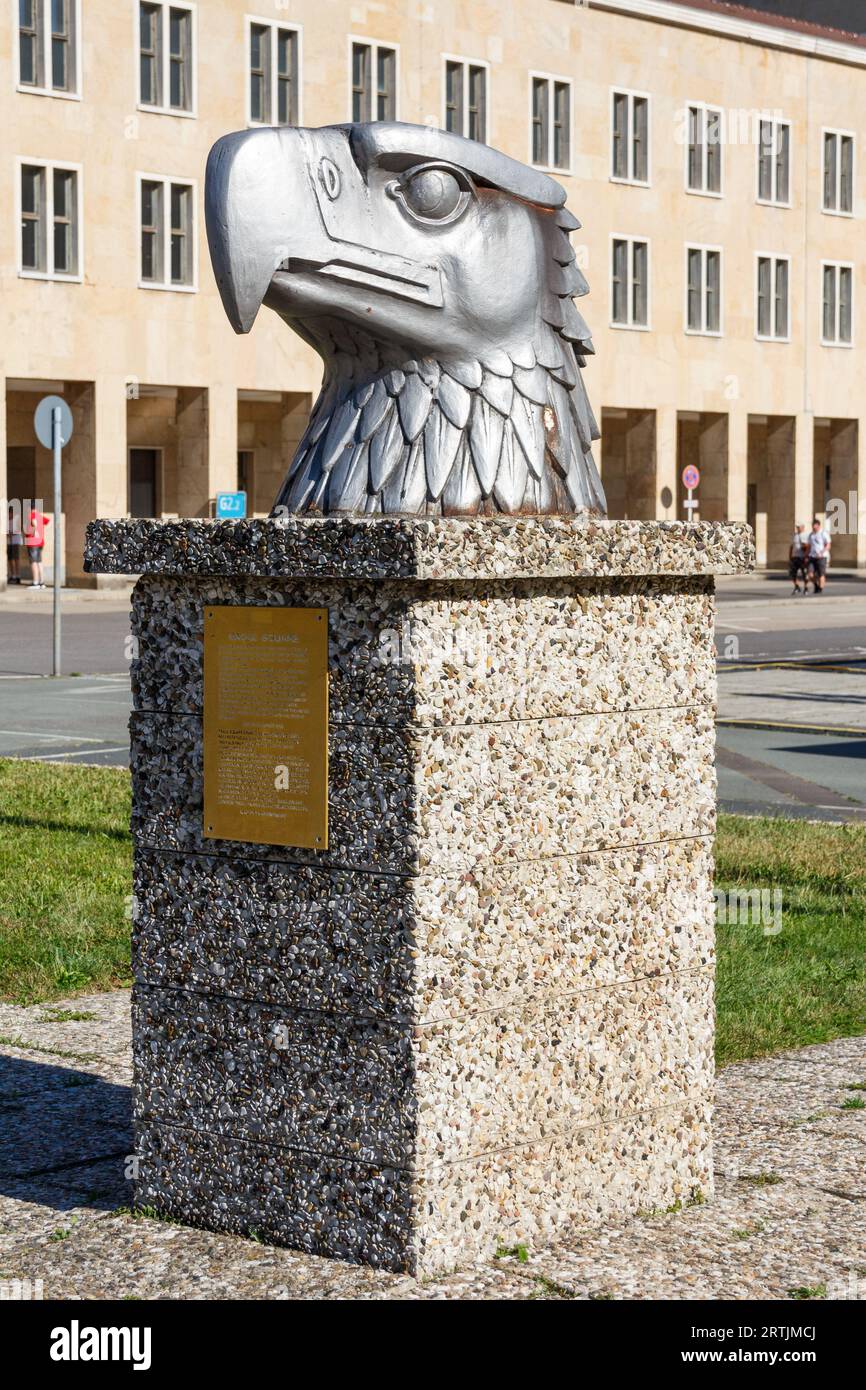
pixel 67 720
pixel 94 634
pixel 791 739
pixel 789 1212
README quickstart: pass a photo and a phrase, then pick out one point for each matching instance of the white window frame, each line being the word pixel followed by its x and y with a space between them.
pixel 274 25
pixel 630 326
pixel 704 107
pixel 774 258
pixel 75 94
pixel 704 332
pixel 467 64
pixel 166 285
pixel 49 165
pixel 852 136
pixel 374 45
pixel 837 342
pixel 549 166
pixel 164 109
pixel 776 122
pixel 629 178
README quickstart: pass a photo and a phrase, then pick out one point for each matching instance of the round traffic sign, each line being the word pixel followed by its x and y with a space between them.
pixel 691 476
pixel 43 421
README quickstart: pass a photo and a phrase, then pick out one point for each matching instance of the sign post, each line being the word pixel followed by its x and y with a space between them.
pixel 691 476
pixel 53 424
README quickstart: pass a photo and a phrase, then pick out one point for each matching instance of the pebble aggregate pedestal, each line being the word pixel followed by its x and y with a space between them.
pixel 486 1010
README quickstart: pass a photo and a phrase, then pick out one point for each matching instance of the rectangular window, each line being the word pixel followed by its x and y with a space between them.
pixel 274 66
pixel 181 234
pixel 704 155
pixel 772 292
pixel 180 59
pixel 374 82
pixel 838 172
pixel 629 161
pixel 837 318
pixel 466 98
pixel 165 56
pixel 774 161
pixel 629 282
pixel 50 217
pixel 47 45
pixel 65 222
pixel 33 218
pixel 167 230
pixel 150 50
pixel 703 289
pixel 287 77
pixel 260 73
pixel 386 90
pixel 551 122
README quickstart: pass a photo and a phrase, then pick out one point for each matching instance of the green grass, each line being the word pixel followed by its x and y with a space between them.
pixel 808 984
pixel 65 874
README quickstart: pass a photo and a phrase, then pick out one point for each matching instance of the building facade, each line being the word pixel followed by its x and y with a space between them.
pixel 712 153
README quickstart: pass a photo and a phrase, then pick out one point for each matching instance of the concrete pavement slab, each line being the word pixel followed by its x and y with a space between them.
pixel 789 1211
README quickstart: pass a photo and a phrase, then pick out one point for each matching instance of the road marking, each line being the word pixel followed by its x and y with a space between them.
pixel 797 788
pixel 57 756
pixel 741 627
pixel 789 728
pixel 749 664
pixel 48 738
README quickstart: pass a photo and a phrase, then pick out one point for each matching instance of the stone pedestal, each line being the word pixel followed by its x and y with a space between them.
pixel 486 1009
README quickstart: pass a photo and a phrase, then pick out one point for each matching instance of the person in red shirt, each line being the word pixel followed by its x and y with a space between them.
pixel 34 539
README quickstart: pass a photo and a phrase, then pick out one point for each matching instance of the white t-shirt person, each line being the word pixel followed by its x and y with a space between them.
pixel 819 544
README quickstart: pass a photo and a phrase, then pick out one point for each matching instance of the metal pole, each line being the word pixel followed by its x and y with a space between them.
pixel 58 538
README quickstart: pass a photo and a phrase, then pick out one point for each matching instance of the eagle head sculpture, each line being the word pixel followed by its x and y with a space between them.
pixel 435 278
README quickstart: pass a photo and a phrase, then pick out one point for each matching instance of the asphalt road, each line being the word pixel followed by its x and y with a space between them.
pixel 94 637
pixel 790 728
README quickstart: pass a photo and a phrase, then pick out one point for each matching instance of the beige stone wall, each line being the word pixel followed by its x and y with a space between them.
pixel 106 332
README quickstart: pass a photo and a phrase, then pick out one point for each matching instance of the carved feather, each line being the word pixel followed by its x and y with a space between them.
pixel 454 399
pixel 496 360
pixel 340 433
pixel 498 391
pixel 462 492
pixel 524 356
pixel 529 431
pixel 511 475
pixel 375 410
pixel 441 443
pixel 386 448
pixel 467 373
pixel 413 406
pixel 485 440
pixel 532 384
pixel 347 485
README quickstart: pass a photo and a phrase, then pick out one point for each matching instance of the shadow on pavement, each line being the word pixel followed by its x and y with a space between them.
pixel 65 1136
pixel 854 748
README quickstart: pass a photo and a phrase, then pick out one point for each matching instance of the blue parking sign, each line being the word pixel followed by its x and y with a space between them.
pixel 230 506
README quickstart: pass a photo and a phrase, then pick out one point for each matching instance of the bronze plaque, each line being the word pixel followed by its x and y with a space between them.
pixel 266 726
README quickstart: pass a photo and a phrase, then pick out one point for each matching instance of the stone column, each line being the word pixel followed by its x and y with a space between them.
pixel 486 1010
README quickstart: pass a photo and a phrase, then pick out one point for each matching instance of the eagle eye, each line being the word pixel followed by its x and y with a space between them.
pixel 433 193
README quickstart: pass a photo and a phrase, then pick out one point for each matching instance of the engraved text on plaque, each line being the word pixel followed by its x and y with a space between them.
pixel 266 725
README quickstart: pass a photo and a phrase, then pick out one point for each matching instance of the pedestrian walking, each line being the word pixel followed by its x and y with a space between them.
pixel 819 555
pixel 797 556
pixel 34 539
pixel 14 542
